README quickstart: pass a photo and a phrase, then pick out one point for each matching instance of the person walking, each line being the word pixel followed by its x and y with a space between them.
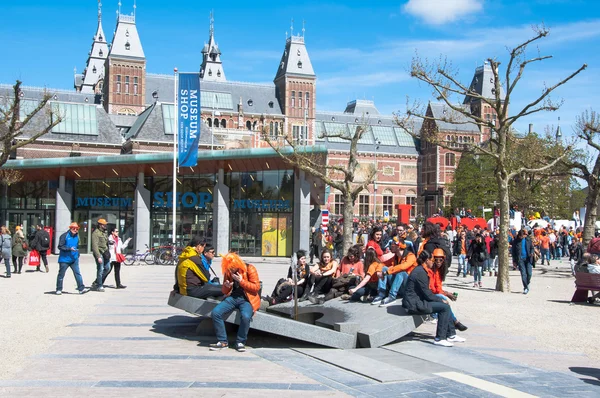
pixel 477 257
pixel 101 254
pixel 19 250
pixel 116 246
pixel 6 245
pixel 41 243
pixel 68 245
pixel 522 253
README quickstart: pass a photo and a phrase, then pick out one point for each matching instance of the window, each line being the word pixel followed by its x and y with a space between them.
pixel 249 125
pixel 299 64
pixel 209 122
pixel 271 131
pixel 307 100
pixel 388 201
pixel 168 111
pixel 211 99
pixel 118 83
pixel 135 86
pixel 363 204
pixel 126 84
pixel 223 123
pixel 298 134
pixel 276 128
pixel 338 204
pixel 411 199
pixel 26 107
pixel 76 118
pixel 293 99
pixel 300 99
pixel 450 159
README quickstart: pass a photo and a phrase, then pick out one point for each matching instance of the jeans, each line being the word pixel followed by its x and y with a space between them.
pixel 495 263
pixel 462 264
pixel 370 289
pixel 445 328
pixel 545 254
pixel 222 311
pixel 452 316
pixel 558 252
pixel 62 269
pixel 7 263
pixel 477 273
pixel 526 269
pixel 397 283
pixel 101 269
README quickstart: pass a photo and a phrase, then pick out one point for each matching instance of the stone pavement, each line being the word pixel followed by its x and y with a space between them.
pixel 134 344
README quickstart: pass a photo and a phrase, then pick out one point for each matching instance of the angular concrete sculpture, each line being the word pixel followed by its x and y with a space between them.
pixel 335 323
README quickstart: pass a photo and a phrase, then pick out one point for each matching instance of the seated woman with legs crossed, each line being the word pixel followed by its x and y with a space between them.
pixel 435 284
pixel 419 299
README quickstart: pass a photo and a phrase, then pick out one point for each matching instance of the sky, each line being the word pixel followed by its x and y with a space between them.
pixel 359 49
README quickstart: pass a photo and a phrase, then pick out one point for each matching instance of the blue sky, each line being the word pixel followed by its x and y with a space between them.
pixel 358 50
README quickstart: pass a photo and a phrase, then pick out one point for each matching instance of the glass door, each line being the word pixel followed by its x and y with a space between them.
pixel 28 219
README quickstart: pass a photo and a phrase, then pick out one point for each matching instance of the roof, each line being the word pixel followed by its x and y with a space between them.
pixel 483 83
pixel 456 121
pixel 295 59
pixel 126 42
pixel 256 98
pixel 361 107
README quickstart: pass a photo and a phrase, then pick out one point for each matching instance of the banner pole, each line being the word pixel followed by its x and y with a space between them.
pixel 175 141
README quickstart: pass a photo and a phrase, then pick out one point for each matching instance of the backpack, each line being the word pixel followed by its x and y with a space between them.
pixel 44 240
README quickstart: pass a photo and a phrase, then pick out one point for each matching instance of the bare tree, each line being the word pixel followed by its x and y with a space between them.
pixel 342 176
pixel 588 130
pixel 16 129
pixel 442 78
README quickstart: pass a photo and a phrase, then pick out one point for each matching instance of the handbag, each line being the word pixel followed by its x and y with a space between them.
pixel 34 258
pixel 120 258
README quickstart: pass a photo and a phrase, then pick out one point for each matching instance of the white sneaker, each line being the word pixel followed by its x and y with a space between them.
pixel 387 301
pixel 456 339
pixel 443 343
pixel 58 292
pixel 377 300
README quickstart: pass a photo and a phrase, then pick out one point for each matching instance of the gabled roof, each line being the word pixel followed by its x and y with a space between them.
pixel 295 59
pixel 126 42
pixel 447 119
pixel 483 83
pixel 361 107
pixel 212 67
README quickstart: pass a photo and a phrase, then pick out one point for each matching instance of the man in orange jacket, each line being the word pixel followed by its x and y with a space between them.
pixel 241 287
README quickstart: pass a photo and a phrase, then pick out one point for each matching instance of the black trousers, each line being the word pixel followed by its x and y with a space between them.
pixel 322 284
pixel 205 291
pixel 20 261
pixel 43 258
pixel 445 327
pixel 117 267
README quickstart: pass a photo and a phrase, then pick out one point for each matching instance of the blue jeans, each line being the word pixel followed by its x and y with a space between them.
pixel 452 316
pixel 477 273
pixel 526 269
pixel 545 254
pixel 369 289
pixel 7 263
pixel 101 269
pixel 558 252
pixel 397 283
pixel 462 264
pixel 62 269
pixel 222 311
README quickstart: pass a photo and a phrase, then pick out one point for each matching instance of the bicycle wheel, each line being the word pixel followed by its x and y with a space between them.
pixel 149 258
pixel 166 258
pixel 130 259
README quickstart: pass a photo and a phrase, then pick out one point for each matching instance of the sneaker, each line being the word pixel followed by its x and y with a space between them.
pixel 345 297
pixel 377 300
pixel 58 292
pixel 84 290
pixel 456 339
pixel 316 299
pixel 443 343
pixel 240 347
pixel 475 284
pixel 460 326
pixel 387 301
pixel 525 291
pixel 218 346
pixel 480 284
pixel 99 289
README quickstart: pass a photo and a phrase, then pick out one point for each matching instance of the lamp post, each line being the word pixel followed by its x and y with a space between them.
pixel 377 143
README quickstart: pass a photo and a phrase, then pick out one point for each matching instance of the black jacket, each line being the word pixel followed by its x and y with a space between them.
pixel 477 253
pixel 517 246
pixel 417 296
pixel 494 247
pixel 41 241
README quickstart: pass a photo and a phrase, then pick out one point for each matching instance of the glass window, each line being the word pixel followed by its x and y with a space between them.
pixel 76 118
pixel 404 139
pixel 338 204
pixel 388 202
pixel 135 85
pixel 300 99
pixel 126 84
pixel 26 107
pixel 293 99
pixel 411 199
pixel 363 204
pixel 307 100
pixel 118 83
pixel 450 159
pixel 366 137
pixel 168 111
pixel 212 99
pixel 385 134
pixel 319 131
pixel 336 129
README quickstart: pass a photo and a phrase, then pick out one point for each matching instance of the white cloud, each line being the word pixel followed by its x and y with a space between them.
pixel 439 12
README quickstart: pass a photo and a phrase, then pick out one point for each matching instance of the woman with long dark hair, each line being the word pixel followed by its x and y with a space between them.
pixel 419 299
pixel 370 285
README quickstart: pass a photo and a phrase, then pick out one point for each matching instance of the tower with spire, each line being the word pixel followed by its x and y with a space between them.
pixel 125 82
pixel 483 84
pixel 295 83
pixel 211 69
pixel 92 79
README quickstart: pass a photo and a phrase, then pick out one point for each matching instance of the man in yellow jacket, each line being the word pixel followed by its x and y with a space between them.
pixel 192 277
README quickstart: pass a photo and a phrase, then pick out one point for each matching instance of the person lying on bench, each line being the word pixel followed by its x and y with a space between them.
pixel 192 276
pixel 241 285
pixel 419 299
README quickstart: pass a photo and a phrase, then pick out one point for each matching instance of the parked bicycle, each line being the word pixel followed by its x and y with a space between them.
pixel 147 257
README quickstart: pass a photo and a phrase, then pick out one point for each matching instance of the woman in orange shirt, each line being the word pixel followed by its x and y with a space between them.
pixel 370 284
pixel 396 276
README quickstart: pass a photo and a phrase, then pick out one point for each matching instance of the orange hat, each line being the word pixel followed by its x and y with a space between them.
pixel 18 228
pixel 73 225
pixel 102 221
pixel 438 252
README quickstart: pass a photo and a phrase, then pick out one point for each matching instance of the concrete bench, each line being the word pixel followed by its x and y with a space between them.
pixel 335 323
pixel 585 282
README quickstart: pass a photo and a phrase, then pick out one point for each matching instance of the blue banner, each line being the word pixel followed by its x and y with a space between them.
pixel 188 108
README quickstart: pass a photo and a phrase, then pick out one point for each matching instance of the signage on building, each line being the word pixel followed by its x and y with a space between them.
pixel 264 205
pixel 188 117
pixel 103 201
pixel 325 219
pixel 185 199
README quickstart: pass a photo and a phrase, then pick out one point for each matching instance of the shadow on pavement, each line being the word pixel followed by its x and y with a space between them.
pixel 591 372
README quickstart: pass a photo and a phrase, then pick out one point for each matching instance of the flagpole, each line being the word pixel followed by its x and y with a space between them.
pixel 175 138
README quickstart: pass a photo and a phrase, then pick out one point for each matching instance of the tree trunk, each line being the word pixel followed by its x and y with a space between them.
pixel 504 263
pixel 591 210
pixel 348 217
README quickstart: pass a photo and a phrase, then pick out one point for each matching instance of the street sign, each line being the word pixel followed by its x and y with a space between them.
pixel 486 209
pixel 386 215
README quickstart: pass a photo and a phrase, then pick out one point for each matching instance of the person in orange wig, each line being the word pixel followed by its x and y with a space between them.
pixel 241 287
